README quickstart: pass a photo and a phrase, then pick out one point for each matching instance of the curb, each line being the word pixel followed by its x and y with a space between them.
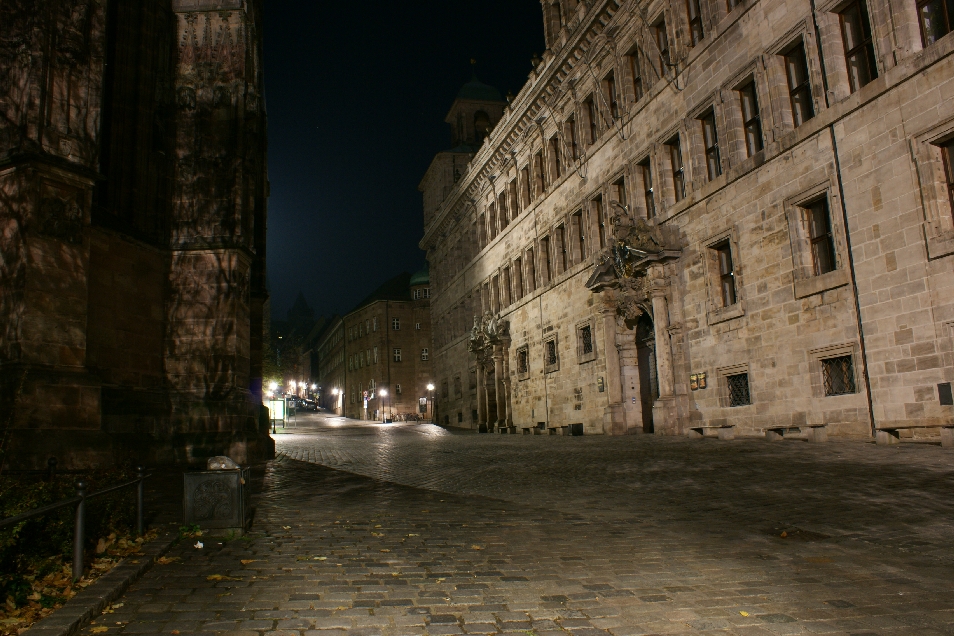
pixel 91 602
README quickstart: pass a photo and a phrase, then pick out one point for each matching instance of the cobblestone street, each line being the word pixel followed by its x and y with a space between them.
pixel 411 529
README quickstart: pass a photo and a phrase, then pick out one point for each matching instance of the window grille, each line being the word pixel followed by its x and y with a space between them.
pixel 396 324
pixel 397 389
pixel 550 353
pixel 609 91
pixel 647 173
pixel 424 354
pixel 397 355
pixel 586 340
pixel 662 40
pixel 839 374
pixel 726 273
pixel 592 127
pixel 636 72
pixel 738 389
pixel 523 360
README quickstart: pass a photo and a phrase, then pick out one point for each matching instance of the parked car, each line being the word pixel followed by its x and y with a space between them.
pixel 308 404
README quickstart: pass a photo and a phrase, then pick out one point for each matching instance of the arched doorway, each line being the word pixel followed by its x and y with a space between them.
pixel 646 361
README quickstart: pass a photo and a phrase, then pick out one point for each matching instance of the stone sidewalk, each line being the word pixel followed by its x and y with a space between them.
pixel 409 529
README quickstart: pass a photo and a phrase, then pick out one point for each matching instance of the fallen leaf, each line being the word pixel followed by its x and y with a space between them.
pixel 385 550
pixel 476 547
pixel 221 577
pixel 319 558
pixel 413 535
pixel 199 545
pixel 247 561
pixel 784 534
pixel 99 630
pixel 286 527
pixel 166 560
pixel 175 631
pixel 743 613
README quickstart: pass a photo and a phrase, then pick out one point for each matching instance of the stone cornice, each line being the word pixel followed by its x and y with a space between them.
pixel 512 128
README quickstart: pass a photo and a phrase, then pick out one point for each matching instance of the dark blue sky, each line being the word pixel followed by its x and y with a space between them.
pixel 356 95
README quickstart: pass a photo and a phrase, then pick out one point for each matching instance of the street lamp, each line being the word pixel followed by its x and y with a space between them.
pixel 384 394
pixel 430 397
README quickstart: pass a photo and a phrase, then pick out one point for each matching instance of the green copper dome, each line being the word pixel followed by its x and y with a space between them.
pixel 478 91
pixel 423 277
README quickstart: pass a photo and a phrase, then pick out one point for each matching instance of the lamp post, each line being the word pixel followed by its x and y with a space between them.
pixel 430 399
pixel 384 394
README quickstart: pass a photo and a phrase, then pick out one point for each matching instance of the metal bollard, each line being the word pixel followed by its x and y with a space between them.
pixel 51 468
pixel 141 472
pixel 79 530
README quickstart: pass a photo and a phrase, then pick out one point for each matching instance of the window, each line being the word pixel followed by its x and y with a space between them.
pixel 546 272
pixel 646 172
pixel 947 152
pixel 502 209
pixel 731 4
pixel 695 21
pixel 556 158
pixel 618 190
pixel 551 356
pixel 514 203
pixel 518 278
pixel 375 355
pixel 822 239
pixel 572 138
pixel 592 129
pixel 578 229
pixel 531 271
pixel 444 391
pixel 562 261
pixel 424 354
pixel 523 362
pixel 396 324
pixel 397 355
pixel 609 92
pixel 417 326
pixel 678 170
pixel 427 294
pixel 458 387
pixel 839 375
pixel 539 175
pixel 636 72
pixel 738 386
pixel 525 186
pixel 723 252
pixel 585 346
pixel 662 40
pixel 600 214
pixel 799 88
pixel 935 17
pixel 751 119
pixel 492 221
pixel 710 139
pixel 507 286
pixel 859 51
pixel 482 230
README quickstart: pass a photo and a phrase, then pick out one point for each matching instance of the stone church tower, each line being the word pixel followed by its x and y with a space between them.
pixel 133 194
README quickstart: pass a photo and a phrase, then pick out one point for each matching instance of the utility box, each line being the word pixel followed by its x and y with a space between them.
pixel 217 499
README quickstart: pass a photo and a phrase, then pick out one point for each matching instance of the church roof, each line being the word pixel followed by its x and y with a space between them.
pixel 478 91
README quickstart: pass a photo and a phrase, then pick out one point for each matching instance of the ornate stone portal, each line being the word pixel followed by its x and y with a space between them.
pixel 631 280
pixel 490 344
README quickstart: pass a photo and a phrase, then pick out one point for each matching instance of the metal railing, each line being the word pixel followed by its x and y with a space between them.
pixel 79 525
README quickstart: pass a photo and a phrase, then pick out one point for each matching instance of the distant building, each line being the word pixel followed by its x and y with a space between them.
pixel 133 192
pixel 383 345
pixel 704 213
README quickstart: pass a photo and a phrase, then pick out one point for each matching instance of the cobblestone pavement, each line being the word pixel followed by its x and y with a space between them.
pixel 411 529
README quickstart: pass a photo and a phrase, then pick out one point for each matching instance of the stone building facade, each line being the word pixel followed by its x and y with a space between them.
pixel 707 213
pixel 132 272
pixel 382 345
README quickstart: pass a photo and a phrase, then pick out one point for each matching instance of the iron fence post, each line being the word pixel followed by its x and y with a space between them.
pixel 141 472
pixel 79 530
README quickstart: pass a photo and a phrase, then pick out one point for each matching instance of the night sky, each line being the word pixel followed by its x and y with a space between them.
pixel 356 94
